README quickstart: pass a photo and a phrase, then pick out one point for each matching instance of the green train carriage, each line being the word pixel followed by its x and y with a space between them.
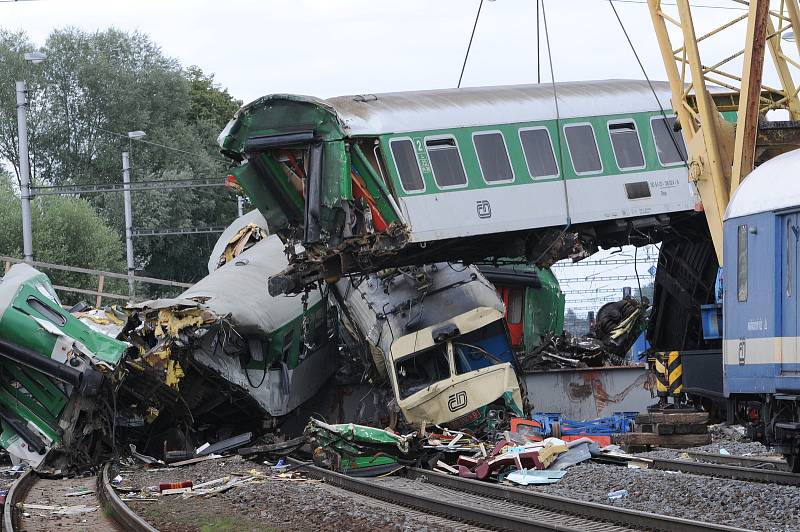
pixel 368 181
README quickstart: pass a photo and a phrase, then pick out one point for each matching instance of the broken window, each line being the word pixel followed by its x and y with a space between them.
pixel 481 348
pixel 418 371
pixel 493 157
pixel 446 162
pixel 51 315
pixel 538 150
pixel 669 143
pixel 405 159
pixel 583 149
pixel 627 148
pixel 741 265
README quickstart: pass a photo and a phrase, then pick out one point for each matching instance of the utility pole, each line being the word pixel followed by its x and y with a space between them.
pixel 24 170
pixel 126 181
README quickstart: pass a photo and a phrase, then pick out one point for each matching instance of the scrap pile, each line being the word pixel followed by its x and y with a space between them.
pixel 529 453
pixel 356 449
pixel 617 326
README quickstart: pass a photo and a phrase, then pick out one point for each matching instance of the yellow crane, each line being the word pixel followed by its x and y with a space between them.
pixel 721 152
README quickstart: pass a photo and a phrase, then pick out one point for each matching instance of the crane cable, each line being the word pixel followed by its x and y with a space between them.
pixel 649 83
pixel 469 46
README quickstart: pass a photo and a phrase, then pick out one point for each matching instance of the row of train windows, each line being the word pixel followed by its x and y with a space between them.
pixel 490 147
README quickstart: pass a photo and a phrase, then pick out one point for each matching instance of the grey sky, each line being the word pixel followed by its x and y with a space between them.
pixel 327 48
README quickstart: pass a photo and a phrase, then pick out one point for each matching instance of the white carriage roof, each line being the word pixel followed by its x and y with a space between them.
pixel 772 186
pixel 398 112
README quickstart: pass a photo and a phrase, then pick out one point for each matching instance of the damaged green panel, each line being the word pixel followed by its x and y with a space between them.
pixel 279 114
pixel 374 183
pixel 336 185
pixel 17 326
pixel 25 408
pixel 285 342
pixel 544 308
pixel 38 393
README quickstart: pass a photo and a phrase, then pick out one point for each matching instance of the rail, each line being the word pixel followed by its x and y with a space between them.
pixel 727 471
pixel 501 507
pixel 744 461
pixel 111 503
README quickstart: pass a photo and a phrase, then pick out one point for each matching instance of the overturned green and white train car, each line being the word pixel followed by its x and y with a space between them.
pixel 53 369
pixel 380 180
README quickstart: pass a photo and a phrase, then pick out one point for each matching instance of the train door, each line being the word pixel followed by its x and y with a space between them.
pixel 514 300
pixel 790 291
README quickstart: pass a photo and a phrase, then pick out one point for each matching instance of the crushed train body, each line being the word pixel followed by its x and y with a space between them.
pixel 55 373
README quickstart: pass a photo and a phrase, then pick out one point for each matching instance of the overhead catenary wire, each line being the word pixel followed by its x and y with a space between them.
pixel 701 6
pixel 166 147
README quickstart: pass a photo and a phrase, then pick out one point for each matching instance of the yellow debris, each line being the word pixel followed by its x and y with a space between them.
pixel 172 323
pixel 248 234
pixel 174 374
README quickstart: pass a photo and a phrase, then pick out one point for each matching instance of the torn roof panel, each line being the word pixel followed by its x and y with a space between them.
pixel 223 291
pixel 252 217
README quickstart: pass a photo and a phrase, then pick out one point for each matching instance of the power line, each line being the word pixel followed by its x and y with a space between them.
pixel 592 290
pixel 140 232
pixel 601 278
pixel 136 186
pixel 701 6
pixel 150 142
pixel 601 262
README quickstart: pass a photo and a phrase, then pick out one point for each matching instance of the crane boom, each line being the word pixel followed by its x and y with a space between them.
pixel 722 153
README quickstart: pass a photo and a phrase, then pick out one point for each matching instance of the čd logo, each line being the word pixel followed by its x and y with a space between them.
pixel 457 401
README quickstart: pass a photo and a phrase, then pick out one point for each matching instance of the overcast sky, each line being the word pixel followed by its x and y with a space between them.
pixel 332 47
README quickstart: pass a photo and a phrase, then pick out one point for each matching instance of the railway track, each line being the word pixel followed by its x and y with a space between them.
pixel 734 472
pixel 743 461
pixel 502 507
pixel 103 507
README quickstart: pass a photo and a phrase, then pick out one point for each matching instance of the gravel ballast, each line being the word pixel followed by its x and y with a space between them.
pixel 729 502
pixel 271 505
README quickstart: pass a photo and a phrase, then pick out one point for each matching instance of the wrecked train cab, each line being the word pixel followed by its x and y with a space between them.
pixel 452 371
pixel 225 355
pixel 52 369
pixel 436 335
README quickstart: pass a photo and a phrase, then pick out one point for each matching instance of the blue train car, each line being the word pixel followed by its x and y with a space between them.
pixel 761 355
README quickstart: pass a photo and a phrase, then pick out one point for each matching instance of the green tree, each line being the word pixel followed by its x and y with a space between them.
pixel 94 86
pixel 66 230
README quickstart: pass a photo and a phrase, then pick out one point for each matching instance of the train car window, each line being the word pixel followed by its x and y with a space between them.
pixel 446 162
pixel 741 264
pixel 538 150
pixel 50 314
pixel 583 151
pixel 627 148
pixel 405 159
pixel 669 143
pixel 515 301
pixel 493 157
pixel 418 371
